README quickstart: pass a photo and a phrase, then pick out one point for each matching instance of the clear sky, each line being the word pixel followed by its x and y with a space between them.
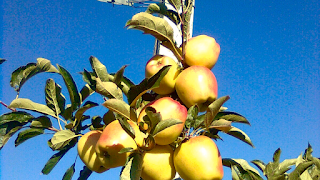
pixel 269 65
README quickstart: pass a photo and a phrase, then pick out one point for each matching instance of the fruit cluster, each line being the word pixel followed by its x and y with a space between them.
pixel 168 150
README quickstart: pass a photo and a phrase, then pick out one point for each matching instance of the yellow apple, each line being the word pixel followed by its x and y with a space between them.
pixel 87 153
pixel 157 164
pixel 202 50
pixel 197 85
pixel 167 83
pixel 198 158
pixel 112 140
pixel 169 109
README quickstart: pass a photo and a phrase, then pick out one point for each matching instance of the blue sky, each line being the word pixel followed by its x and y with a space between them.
pixel 269 65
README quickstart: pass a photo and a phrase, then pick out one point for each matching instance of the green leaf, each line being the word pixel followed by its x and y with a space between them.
pixel 53 161
pixel 239 134
pixel 295 174
pixel 69 173
pixel 308 153
pixel 85 173
pixel 54 98
pixel 235 173
pixel 161 8
pixel 137 91
pixel 127 127
pixel 81 110
pixel 259 164
pixel 108 89
pixel 133 115
pixel 276 156
pixel 46 66
pixel 118 106
pixel 232 116
pixel 314 172
pixel 241 169
pixel 108 117
pixel 241 162
pixel 192 115
pixel 152 118
pixel 89 78
pixel 125 150
pixel 270 171
pixel 68 112
pixel 124 85
pixel 85 92
pixel 71 86
pixel 62 138
pixel 213 110
pixel 276 170
pixel 96 122
pixel 316 161
pixel 27 104
pixel 41 122
pixel 132 169
pixel 18 116
pixel 199 121
pixel 157 27
pixel 176 4
pixel 22 74
pixel 99 69
pixel 28 134
pixel 7 130
pixel 222 125
pixel 119 75
pixel 2 60
pixel 284 166
pixel 311 172
pixel 162 125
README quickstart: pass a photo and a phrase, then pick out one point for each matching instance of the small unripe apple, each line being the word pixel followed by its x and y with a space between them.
pixel 87 153
pixel 198 158
pixel 112 140
pixel 169 109
pixel 197 85
pixel 157 164
pixel 202 50
pixel 156 63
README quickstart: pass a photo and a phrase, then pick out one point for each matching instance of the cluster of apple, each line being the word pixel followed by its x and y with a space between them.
pixel 196 157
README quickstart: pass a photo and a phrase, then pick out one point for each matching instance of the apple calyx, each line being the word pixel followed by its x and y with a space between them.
pixel 106 154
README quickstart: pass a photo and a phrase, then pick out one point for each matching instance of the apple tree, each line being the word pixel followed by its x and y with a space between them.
pixel 167 119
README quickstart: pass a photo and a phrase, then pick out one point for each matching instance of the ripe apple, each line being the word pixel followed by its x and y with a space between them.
pixel 202 50
pixel 157 164
pixel 112 140
pixel 167 83
pixel 87 153
pixel 197 85
pixel 168 108
pixel 198 158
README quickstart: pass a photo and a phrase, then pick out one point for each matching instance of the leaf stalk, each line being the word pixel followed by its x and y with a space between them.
pixel 5 105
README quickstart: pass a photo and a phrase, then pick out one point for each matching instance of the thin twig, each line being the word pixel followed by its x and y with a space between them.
pixel 5 105
pixel 53 129
pixel 59 124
